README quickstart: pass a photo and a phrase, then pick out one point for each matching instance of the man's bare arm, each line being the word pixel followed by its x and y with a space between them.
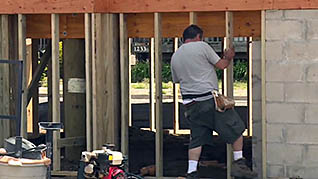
pixel 225 61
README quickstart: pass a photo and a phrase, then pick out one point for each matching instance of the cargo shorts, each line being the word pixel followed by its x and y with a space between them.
pixel 204 119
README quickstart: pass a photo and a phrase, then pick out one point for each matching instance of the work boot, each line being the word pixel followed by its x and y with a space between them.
pixel 193 175
pixel 240 169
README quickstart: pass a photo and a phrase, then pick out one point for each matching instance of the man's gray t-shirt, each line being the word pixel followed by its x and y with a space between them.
pixel 192 65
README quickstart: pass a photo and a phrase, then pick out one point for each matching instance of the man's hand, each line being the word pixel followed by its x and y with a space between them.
pixel 229 54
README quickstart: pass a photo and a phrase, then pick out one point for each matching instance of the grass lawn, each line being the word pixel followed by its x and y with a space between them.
pixel 240 88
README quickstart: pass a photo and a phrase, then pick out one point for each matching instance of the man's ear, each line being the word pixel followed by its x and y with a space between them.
pixel 198 38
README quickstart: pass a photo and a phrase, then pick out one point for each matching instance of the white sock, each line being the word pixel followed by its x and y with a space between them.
pixel 192 166
pixel 238 154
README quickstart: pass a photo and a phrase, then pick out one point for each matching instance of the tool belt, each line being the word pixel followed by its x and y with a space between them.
pixel 192 96
pixel 222 103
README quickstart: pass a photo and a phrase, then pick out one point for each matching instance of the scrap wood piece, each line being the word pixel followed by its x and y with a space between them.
pixel 148 170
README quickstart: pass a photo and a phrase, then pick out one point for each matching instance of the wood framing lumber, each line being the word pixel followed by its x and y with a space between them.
pixel 152 86
pixel 140 6
pixel 88 79
pixel 158 96
pixel 107 80
pixel 22 56
pixel 125 83
pixel 228 80
pixel 246 24
pixel 4 78
pixel 263 98
pixel 56 111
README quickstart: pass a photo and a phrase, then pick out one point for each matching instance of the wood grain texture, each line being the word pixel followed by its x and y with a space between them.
pixel 213 24
pixel 71 26
pixel 125 83
pixel 4 78
pixel 134 6
pixel 46 6
pixel 74 103
pixel 141 6
pixel 107 80
pixel 246 23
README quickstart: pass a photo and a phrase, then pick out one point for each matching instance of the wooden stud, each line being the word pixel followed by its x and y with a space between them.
pixel 250 84
pixel 35 93
pixel 55 88
pixel 263 82
pixel 22 56
pixel 152 85
pixel 193 18
pixel 158 79
pixel 29 105
pixel 13 54
pixel 176 88
pixel 108 80
pixel 94 84
pixel 4 78
pixel 129 79
pixel 88 79
pixel 228 79
pixel 74 98
pixel 125 83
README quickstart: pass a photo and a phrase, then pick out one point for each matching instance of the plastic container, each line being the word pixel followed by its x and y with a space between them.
pixel 26 171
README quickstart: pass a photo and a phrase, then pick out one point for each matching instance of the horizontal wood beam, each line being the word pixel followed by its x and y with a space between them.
pixel 71 26
pixel 246 23
pixel 46 7
pixel 141 6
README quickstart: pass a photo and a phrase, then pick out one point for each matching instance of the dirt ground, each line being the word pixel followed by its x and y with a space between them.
pixel 212 161
pixel 142 154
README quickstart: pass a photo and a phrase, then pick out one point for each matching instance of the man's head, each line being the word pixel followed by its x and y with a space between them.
pixel 193 32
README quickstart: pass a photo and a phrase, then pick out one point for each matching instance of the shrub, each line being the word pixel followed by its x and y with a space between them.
pixel 140 72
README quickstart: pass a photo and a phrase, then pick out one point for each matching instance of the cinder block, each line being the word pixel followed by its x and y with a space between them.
pixel 311 114
pixel 301 51
pixel 310 172
pixel 274 50
pixel 256 70
pixel 256 89
pixel 311 156
pixel 275 171
pixel 312 32
pixel 301 14
pixel 284 72
pixel 274 92
pixel 285 113
pixel 284 29
pixel 257 131
pixel 302 134
pixel 275 133
pixel 256 51
pixel 312 72
pixel 257 110
pixel 301 92
pixel 279 154
pixel 295 171
pixel 274 14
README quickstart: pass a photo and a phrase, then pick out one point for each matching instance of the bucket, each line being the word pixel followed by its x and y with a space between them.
pixel 26 171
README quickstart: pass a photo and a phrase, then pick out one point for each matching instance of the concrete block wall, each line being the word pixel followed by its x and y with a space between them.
pixel 256 106
pixel 292 93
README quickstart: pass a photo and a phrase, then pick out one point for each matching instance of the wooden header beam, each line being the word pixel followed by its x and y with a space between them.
pixel 141 6
pixel 246 24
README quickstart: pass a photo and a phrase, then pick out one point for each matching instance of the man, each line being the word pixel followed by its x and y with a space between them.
pixel 193 66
